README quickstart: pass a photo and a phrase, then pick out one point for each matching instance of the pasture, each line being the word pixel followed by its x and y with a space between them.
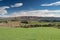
pixel 39 33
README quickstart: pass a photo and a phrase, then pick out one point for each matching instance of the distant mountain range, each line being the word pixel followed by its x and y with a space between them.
pixel 33 18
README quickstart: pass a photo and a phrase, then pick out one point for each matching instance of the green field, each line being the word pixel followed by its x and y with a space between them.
pixel 42 33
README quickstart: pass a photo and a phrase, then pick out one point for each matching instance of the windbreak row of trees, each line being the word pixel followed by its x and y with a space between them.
pixel 39 25
pixel 29 24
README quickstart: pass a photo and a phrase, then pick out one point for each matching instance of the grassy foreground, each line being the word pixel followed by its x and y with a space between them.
pixel 42 33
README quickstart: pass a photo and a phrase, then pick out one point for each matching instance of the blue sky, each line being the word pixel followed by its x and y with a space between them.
pixel 45 8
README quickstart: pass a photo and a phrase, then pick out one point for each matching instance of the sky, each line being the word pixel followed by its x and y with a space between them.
pixel 41 8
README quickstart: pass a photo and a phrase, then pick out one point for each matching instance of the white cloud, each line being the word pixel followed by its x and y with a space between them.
pixel 39 13
pixel 3 10
pixel 17 5
pixel 4 7
pixel 52 4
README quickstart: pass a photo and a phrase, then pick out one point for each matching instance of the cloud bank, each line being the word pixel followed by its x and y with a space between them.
pixel 39 13
pixel 52 4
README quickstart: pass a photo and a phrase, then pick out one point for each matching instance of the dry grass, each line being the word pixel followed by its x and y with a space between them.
pixel 10 24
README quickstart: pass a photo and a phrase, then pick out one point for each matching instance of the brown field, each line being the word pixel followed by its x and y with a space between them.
pixel 10 24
